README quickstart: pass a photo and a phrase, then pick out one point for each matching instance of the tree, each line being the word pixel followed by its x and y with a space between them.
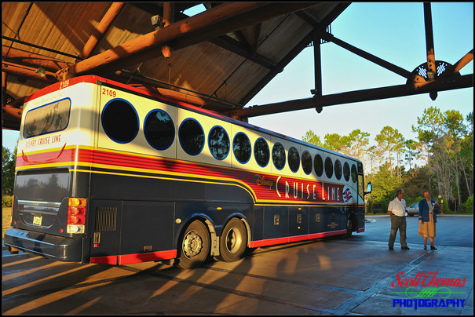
pixel 312 138
pixel 443 135
pixel 411 151
pixel 359 142
pixel 390 142
pixel 466 156
pixel 384 186
pixel 338 143
pixel 455 130
pixel 8 171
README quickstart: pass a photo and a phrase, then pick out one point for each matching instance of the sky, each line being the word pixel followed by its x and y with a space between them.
pixel 392 31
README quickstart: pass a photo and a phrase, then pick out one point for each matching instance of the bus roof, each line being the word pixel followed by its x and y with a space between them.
pixel 94 79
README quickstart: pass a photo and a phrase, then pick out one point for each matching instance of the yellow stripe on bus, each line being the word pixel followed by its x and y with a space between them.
pixel 241 185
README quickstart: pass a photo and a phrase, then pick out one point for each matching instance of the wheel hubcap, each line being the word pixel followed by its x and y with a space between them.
pixel 233 240
pixel 192 244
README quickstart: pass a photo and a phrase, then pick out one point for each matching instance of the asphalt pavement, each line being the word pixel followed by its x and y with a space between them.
pixel 334 276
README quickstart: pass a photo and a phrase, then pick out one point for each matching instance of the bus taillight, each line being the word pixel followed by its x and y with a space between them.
pixel 77 215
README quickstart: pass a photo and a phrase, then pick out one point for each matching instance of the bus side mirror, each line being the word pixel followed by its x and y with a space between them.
pixel 369 189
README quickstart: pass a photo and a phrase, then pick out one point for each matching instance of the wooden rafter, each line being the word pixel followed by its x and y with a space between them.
pixel 217 21
pixel 101 28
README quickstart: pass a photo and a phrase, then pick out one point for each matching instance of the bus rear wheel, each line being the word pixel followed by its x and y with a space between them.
pixel 233 242
pixel 195 246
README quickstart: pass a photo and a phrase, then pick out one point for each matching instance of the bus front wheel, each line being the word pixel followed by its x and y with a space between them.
pixel 349 227
pixel 233 242
pixel 195 246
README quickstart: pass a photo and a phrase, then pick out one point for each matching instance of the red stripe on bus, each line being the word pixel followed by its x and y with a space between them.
pixel 360 230
pixel 112 259
pixel 145 257
pixel 291 189
pixel 269 242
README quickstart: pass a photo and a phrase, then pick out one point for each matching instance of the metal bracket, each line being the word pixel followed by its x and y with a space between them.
pixel 62 74
pixel 214 244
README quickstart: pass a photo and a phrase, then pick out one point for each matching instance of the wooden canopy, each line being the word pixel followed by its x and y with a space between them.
pixel 218 59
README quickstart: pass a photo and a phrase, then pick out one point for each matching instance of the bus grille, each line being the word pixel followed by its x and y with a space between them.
pixel 106 218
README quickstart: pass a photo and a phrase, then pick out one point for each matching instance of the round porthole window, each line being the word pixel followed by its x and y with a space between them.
pixel 354 175
pixel 346 171
pixel 242 147
pixel 261 152
pixel 218 141
pixel 294 159
pixel 159 129
pixel 307 162
pixel 328 167
pixel 318 165
pixel 338 169
pixel 120 121
pixel 191 136
pixel 278 156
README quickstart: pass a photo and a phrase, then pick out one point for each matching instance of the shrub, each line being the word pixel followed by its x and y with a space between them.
pixel 7 201
pixel 469 205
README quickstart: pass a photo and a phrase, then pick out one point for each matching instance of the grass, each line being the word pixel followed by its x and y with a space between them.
pixel 6 219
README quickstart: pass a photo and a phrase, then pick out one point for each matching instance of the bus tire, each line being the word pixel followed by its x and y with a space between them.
pixel 349 227
pixel 233 242
pixel 195 246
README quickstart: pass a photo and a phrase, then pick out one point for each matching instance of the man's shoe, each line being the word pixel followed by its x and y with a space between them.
pixel 404 248
pixel 433 248
pixel 391 248
pixel 425 247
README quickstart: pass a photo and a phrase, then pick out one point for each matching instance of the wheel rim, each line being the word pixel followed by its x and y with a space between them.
pixel 192 244
pixel 233 240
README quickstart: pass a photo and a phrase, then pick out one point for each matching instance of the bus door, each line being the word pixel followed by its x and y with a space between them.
pixel 360 206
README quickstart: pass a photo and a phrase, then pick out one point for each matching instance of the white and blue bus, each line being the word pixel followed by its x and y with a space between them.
pixel 109 173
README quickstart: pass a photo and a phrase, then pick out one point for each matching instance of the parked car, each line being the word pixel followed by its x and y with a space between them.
pixel 413 209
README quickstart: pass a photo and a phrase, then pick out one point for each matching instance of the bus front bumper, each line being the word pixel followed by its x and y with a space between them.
pixel 46 245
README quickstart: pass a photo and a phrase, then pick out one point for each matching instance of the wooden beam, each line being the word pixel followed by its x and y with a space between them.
pixel 11 114
pixel 459 82
pixel 101 28
pixel 195 98
pixel 29 72
pixel 467 58
pixel 379 61
pixel 294 52
pixel 158 38
pixel 239 21
pixel 168 18
pixel 224 41
pixel 22 57
pixel 168 14
pixel 429 42
pixel 317 60
pixel 217 21
pixel 4 88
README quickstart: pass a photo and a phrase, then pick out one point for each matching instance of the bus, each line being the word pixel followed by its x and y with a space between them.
pixel 110 173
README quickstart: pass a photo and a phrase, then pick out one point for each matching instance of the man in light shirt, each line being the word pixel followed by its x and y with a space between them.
pixel 397 211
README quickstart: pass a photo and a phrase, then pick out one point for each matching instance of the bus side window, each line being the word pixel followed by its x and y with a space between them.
pixel 191 136
pixel 346 171
pixel 120 121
